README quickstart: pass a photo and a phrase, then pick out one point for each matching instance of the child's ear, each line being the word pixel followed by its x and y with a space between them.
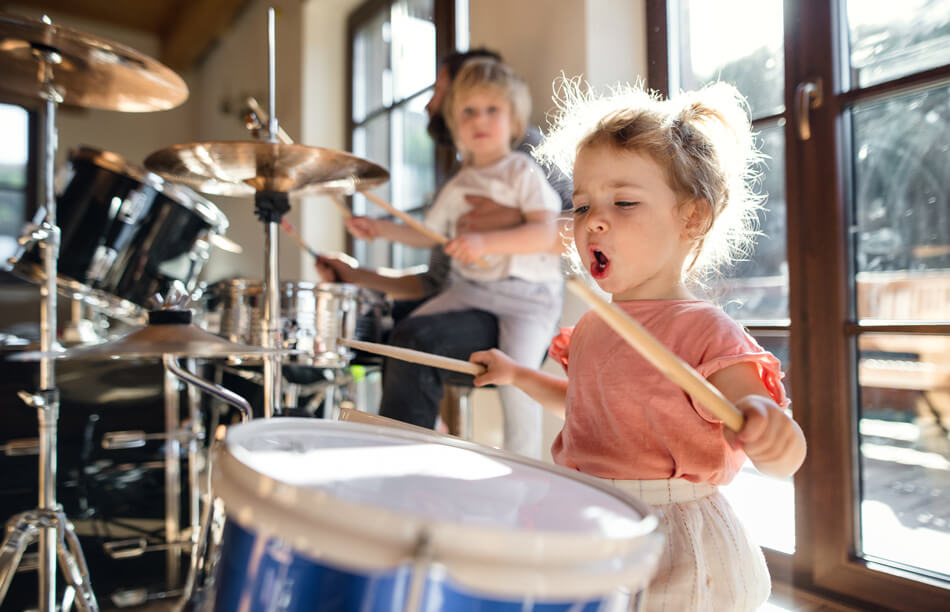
pixel 696 218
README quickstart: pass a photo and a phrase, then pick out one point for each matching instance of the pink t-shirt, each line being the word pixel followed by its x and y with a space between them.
pixel 626 420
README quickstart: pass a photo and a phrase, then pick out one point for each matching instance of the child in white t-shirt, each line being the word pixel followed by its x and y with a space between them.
pixel 509 272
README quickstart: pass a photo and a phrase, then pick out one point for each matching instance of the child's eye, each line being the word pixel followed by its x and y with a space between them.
pixel 580 210
pixel 625 203
pixel 493 110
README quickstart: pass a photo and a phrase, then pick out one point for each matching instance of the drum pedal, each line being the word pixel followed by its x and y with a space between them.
pixel 127 598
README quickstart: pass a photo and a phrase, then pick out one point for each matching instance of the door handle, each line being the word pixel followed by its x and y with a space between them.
pixel 808 95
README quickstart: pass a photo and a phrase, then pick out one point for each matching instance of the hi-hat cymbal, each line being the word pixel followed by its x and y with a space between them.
pixel 86 70
pixel 242 168
pixel 177 339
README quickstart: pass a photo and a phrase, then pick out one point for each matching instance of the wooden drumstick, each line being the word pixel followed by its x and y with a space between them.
pixel 407 219
pixel 344 209
pixel 404 354
pixel 284 223
pixel 439 238
pixel 661 357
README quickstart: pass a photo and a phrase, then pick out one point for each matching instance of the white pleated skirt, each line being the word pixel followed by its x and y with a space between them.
pixel 709 563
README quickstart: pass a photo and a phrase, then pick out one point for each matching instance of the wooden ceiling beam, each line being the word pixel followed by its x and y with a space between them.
pixel 197 27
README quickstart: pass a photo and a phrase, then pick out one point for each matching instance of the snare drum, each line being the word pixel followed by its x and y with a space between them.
pixel 126 234
pixel 312 317
pixel 333 515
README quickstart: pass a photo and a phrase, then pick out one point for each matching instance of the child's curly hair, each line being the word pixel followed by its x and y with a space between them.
pixel 702 139
pixel 486 73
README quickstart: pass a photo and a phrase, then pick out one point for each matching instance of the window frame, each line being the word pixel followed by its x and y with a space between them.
pixel 444 17
pixel 823 327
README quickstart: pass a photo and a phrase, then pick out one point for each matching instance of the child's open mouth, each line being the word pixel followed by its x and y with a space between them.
pixel 599 263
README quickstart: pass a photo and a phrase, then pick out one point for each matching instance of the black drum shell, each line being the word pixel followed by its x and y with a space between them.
pixel 125 233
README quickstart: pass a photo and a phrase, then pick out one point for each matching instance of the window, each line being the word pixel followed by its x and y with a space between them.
pixel 15 174
pixel 394 47
pixel 851 286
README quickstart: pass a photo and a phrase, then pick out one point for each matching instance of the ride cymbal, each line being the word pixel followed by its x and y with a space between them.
pixel 243 168
pixel 84 70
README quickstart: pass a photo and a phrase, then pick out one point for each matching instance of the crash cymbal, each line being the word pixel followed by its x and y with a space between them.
pixel 242 168
pixel 85 70
pixel 168 333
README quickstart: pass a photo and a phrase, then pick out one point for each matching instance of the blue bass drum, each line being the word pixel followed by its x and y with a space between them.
pixel 332 515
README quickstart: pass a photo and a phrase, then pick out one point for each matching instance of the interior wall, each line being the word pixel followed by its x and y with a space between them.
pixel 323 99
pixel 540 39
pixel 236 67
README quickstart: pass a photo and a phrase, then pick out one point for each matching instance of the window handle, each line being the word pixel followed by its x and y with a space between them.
pixel 808 95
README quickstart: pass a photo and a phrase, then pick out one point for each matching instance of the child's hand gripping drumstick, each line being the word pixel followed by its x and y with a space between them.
pixel 661 357
pixel 404 354
pixel 413 223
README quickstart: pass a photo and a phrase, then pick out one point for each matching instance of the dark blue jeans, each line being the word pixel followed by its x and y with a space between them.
pixel 412 392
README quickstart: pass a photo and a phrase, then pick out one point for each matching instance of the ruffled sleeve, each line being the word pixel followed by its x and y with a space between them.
pixel 767 365
pixel 560 345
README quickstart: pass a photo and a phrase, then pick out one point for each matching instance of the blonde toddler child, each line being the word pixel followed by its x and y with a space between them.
pixel 505 272
pixel 661 196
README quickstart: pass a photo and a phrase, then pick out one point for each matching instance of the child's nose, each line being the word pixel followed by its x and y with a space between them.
pixel 596 222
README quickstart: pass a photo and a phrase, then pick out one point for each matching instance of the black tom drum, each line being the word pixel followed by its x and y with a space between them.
pixel 126 234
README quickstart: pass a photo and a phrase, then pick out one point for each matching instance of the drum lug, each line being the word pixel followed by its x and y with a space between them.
pixel 421 561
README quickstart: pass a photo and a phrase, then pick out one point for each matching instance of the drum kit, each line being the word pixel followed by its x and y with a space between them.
pixel 298 513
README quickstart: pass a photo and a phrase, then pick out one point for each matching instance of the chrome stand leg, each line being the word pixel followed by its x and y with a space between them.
pixel 27 527
pixel 47 524
pixel 172 482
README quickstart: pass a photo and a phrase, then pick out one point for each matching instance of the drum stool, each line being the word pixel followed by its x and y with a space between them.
pixel 456 407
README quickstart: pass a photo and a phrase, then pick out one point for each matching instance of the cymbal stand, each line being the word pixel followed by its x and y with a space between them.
pixel 270 207
pixel 47 523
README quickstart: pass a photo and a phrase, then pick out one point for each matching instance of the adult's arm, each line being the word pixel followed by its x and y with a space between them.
pixel 397 286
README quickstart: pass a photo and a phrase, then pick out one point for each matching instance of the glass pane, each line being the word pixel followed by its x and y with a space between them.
pixel 371 142
pixel 904 417
pixel 767 505
pixel 412 172
pixel 757 289
pixel 413 47
pixel 372 73
pixel 902 206
pixel 893 39
pixel 738 41
pixel 14 153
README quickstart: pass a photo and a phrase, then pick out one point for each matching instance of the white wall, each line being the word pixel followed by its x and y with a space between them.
pixel 540 39
pixel 323 93
pixel 235 68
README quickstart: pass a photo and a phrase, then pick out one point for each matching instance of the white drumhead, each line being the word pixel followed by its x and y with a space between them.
pixel 363 494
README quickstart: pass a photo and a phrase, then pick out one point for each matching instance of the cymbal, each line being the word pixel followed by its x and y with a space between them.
pixel 242 168
pixel 177 339
pixel 86 70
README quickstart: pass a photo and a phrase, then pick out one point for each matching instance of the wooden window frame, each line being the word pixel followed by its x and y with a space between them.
pixel 444 19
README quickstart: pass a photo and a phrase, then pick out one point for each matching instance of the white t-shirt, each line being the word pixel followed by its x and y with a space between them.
pixel 516 181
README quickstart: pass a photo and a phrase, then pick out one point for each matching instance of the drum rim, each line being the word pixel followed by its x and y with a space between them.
pixel 108 303
pixel 538 548
pixel 180 194
pixel 253 286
